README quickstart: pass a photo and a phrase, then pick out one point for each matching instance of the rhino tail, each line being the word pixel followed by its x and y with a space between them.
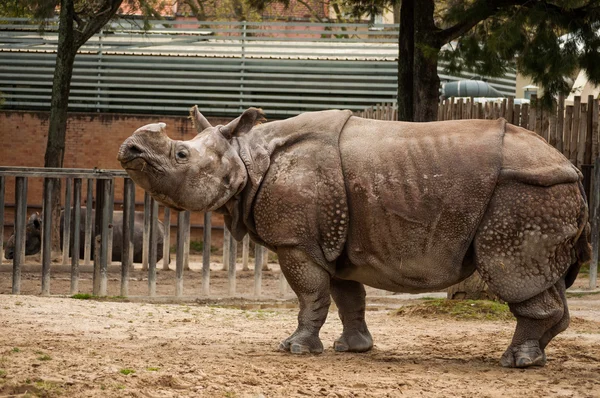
pixel 582 247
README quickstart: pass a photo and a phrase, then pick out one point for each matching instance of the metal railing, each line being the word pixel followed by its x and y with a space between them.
pixel 99 232
pixel 224 67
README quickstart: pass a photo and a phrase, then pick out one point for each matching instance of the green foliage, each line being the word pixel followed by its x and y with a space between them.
pixel 196 246
pixel 44 357
pixel 82 296
pixel 459 309
pixel 126 371
pixel 550 41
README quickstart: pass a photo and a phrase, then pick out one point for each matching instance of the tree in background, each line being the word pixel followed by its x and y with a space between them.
pixel 546 40
pixel 78 21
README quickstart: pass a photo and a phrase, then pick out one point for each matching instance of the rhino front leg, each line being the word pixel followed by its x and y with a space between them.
pixel 310 282
pixel 349 296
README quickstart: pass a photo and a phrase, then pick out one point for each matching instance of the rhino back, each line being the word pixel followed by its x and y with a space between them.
pixel 416 194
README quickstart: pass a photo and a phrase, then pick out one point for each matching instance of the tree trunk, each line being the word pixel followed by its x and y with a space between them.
pixel 426 50
pixel 418 48
pixel 61 85
pixel 406 49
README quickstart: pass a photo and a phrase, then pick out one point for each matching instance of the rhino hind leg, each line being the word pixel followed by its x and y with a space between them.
pixel 524 248
pixel 311 283
pixel 349 296
pixel 539 319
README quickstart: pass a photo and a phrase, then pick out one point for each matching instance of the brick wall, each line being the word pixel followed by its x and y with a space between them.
pixel 93 140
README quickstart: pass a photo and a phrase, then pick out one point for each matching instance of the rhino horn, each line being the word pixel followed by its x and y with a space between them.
pixel 198 120
pixel 250 118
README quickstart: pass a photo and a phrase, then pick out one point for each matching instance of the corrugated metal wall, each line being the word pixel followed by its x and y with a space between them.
pixel 222 67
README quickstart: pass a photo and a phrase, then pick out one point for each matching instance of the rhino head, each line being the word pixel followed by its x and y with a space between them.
pixel 33 238
pixel 201 174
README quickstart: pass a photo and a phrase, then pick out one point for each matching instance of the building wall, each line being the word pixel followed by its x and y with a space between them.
pixel 93 140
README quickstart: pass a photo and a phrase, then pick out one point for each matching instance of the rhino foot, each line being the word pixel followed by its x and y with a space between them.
pixel 302 343
pixel 523 356
pixel 354 341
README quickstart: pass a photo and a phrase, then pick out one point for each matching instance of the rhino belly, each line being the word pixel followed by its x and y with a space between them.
pixel 416 194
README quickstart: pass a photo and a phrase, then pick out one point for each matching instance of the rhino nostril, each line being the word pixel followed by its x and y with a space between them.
pixel 134 149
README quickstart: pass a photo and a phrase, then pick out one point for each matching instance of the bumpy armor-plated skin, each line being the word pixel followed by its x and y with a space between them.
pixel 407 207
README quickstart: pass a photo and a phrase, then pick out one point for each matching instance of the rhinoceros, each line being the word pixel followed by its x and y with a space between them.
pixel 406 207
pixel 33 236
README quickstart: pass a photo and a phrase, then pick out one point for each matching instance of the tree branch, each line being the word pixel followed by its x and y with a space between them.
pixel 479 11
pixel 483 9
pixel 108 9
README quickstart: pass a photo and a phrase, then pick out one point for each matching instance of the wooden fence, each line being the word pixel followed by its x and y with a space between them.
pixel 100 234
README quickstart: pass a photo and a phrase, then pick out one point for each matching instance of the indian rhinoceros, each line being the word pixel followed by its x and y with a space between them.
pixel 33 236
pixel 405 207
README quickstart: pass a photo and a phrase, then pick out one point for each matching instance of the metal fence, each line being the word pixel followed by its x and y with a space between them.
pixel 224 67
pixel 99 232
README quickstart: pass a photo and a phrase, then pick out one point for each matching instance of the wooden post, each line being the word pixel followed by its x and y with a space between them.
pixel 258 263
pixel 226 247
pixel 510 105
pixel 89 223
pixel 245 250
pixel 96 277
pixel 111 212
pixel 146 233
pixel 67 222
pixel 552 132
pixel 20 221
pixel 525 116
pixel 206 246
pixel 186 242
pixel 581 139
pixel 153 238
pixel 560 122
pixel 105 209
pixel 128 234
pixel 517 115
pixel 2 191
pixel 567 131
pixel 167 239
pixel 232 260
pixel 533 109
pixel 595 213
pixel 283 284
pixel 76 236
pixel 180 253
pixel 594 131
pixel 589 125
pixel 575 130
pixel 47 235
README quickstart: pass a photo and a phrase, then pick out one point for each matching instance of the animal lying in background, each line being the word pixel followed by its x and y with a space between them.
pixel 33 236
pixel 406 207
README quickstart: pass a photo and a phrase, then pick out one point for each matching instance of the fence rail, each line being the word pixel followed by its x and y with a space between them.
pixel 99 232
pixel 224 67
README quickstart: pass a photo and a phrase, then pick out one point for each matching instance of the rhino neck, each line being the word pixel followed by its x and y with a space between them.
pixel 257 149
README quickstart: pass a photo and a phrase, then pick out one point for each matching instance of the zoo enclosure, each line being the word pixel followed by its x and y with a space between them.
pixel 572 129
pixel 101 235
pixel 223 67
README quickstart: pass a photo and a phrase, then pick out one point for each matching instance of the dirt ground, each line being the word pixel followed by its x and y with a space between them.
pixel 64 347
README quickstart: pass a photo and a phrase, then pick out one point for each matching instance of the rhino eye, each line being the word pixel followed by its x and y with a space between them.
pixel 181 155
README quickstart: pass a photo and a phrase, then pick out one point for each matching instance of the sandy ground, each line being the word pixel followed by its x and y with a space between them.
pixel 64 347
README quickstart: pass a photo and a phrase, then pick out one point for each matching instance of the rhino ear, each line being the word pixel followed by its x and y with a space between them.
pixel 250 118
pixel 198 120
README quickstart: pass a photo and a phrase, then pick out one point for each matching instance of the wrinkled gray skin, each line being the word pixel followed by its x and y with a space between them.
pixel 407 207
pixel 33 236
